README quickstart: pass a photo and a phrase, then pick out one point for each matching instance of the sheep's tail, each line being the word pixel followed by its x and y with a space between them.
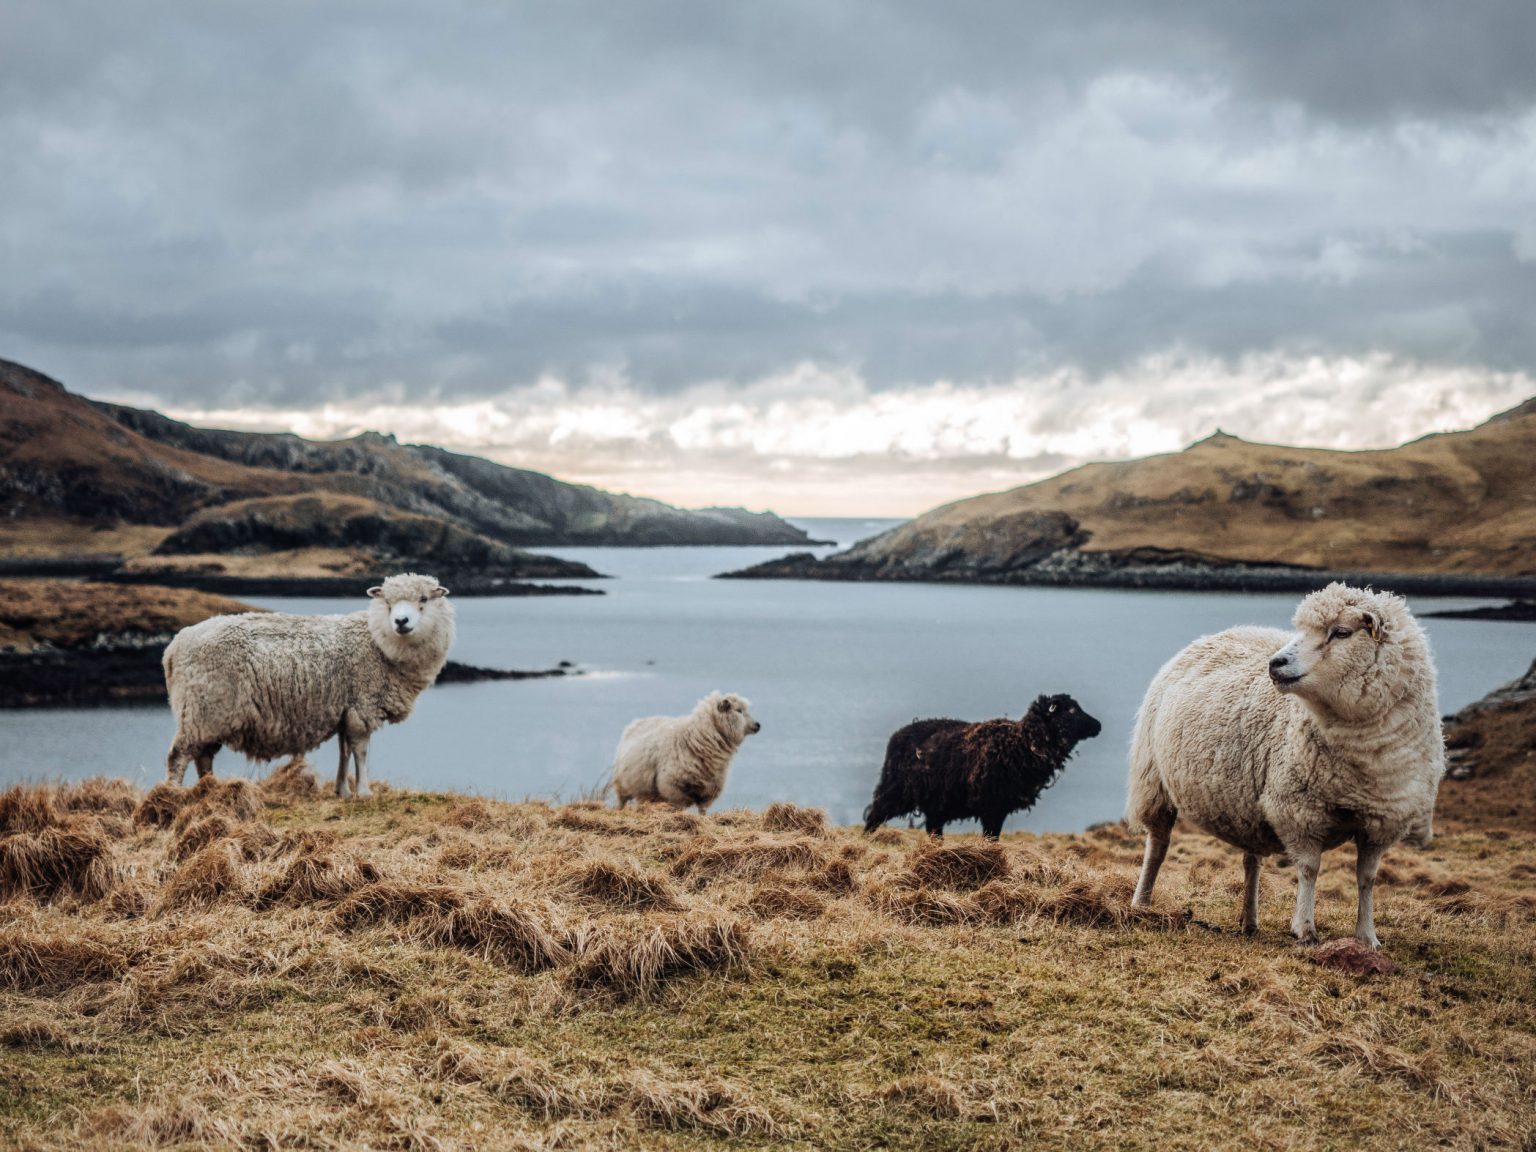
pixel 1147 803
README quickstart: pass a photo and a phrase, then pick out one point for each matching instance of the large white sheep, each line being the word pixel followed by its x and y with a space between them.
pixel 269 684
pixel 682 759
pixel 1295 744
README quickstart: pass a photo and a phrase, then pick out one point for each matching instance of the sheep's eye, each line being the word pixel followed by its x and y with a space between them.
pixel 1052 708
pixel 1340 634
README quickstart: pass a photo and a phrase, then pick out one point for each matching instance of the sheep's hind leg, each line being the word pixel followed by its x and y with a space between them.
pixel 204 759
pixel 992 829
pixel 934 825
pixel 1367 860
pixel 1250 893
pixel 1304 923
pixel 1151 864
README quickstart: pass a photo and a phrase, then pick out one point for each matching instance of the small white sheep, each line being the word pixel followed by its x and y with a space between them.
pixel 682 759
pixel 269 684
pixel 1295 744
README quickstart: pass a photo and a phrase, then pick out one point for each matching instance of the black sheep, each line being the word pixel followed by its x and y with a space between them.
pixel 955 770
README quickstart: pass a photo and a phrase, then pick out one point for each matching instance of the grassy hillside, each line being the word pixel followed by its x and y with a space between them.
pixel 73 614
pixel 75 472
pixel 1460 503
pixel 241 965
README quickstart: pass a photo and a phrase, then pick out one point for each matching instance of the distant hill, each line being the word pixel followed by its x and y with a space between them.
pixel 79 476
pixel 1452 504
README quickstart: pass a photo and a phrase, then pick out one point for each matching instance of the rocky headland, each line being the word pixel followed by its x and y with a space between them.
pixel 1448 514
pixel 98 489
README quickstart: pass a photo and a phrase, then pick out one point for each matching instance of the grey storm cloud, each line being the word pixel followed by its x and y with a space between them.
pixel 290 203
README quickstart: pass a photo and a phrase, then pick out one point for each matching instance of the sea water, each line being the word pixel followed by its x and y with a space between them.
pixel 831 670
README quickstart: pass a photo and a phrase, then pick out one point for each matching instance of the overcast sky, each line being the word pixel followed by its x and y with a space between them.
pixel 826 256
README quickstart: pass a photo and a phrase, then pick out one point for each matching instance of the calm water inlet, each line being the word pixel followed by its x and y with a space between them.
pixel 831 670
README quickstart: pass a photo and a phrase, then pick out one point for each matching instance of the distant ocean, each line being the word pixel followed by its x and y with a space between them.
pixel 831 670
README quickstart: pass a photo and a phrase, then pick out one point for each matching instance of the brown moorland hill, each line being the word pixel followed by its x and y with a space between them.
pixel 1452 503
pixel 74 472
pixel 69 614
pixel 260 965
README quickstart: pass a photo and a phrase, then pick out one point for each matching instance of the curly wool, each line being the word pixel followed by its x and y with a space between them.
pixel 1349 750
pixel 682 760
pixel 955 770
pixel 271 685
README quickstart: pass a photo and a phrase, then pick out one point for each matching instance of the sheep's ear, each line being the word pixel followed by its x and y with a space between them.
pixel 376 591
pixel 439 592
pixel 1372 625
pixel 725 705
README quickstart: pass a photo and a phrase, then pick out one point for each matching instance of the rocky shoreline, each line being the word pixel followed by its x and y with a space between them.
pixel 1112 570
pixel 1516 611
pixel 461 583
pixel 128 671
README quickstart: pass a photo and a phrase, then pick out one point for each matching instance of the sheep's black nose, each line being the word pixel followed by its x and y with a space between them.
pixel 1276 663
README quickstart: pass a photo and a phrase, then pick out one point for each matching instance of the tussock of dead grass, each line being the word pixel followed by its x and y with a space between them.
pixel 632 961
pixel 273 967
pixel 622 884
pixel 703 860
pixel 58 842
pixel 237 799
pixel 785 902
pixel 36 955
pixel 793 818
pixel 526 937
pixel 962 866
pixel 931 1095
pixel 74 857
pixel 292 780
pixel 712 1106
pixel 27 808
pixel 105 797
pixel 159 806
pixel 316 876
pixel 210 875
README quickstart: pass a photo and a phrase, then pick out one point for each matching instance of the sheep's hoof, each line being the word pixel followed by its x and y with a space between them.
pixel 362 793
pixel 1370 941
pixel 1250 929
pixel 1305 936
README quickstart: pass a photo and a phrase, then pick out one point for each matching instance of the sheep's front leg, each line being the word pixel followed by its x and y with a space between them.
pixel 176 764
pixel 1250 893
pixel 1304 923
pixel 360 767
pixel 1151 864
pixel 1367 860
pixel 341 770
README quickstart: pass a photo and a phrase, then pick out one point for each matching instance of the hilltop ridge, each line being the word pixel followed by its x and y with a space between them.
pixel 1452 506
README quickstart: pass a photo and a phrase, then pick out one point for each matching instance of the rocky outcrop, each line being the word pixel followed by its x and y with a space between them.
pixel 282 523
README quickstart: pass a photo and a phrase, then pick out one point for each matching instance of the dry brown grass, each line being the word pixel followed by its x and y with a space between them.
pixel 266 966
